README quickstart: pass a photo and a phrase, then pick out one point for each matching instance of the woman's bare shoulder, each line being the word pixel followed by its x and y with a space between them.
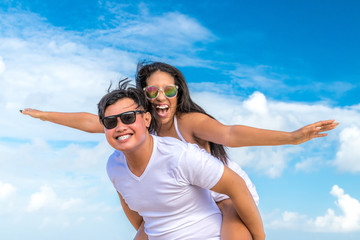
pixel 189 122
pixel 184 121
pixel 191 117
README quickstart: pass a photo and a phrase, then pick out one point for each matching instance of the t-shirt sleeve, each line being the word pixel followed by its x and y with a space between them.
pixel 200 168
pixel 113 164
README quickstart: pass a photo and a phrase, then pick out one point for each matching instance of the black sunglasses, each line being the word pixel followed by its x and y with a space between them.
pixel 127 118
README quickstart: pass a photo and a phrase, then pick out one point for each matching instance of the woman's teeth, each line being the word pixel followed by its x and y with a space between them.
pixel 162 106
pixel 162 110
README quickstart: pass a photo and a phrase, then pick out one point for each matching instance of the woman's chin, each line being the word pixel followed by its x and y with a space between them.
pixel 165 119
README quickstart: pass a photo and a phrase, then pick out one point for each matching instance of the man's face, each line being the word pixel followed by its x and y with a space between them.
pixel 127 137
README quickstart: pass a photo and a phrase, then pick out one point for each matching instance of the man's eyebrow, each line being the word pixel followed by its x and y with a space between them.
pixel 136 109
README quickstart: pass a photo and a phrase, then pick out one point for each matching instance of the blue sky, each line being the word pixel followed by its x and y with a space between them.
pixel 269 64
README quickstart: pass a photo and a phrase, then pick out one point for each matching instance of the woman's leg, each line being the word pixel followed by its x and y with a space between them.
pixel 232 227
pixel 141 235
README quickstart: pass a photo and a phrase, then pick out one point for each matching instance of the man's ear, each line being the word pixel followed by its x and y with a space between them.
pixel 147 118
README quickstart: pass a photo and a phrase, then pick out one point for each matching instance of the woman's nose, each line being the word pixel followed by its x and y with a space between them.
pixel 161 95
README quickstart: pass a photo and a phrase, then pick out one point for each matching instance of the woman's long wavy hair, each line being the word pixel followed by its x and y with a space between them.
pixel 184 102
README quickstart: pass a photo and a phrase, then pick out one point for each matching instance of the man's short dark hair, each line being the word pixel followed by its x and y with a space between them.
pixel 126 90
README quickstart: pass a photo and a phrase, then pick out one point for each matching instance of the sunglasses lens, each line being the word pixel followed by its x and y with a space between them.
pixel 128 118
pixel 170 91
pixel 110 122
pixel 151 92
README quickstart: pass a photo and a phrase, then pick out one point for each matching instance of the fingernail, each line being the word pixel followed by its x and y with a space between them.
pixel 21 111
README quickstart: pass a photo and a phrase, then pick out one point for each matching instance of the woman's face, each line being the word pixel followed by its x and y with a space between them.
pixel 165 107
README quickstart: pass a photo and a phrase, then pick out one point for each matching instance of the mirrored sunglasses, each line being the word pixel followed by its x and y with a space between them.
pixel 152 92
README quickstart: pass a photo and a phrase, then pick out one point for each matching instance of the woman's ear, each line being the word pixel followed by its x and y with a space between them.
pixel 147 118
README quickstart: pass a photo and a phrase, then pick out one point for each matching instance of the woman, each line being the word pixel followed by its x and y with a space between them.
pixel 179 117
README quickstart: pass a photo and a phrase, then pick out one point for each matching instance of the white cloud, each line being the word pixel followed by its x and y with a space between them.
pixel 348 156
pixel 67 204
pixel 6 190
pixel 147 32
pixel 257 104
pixel 85 158
pixel 57 184
pixel 285 220
pixel 80 160
pixel 271 161
pixel 45 198
pixel 2 65
pixel 309 164
pixel 266 78
pixel 347 220
pixel 50 69
pixel 259 77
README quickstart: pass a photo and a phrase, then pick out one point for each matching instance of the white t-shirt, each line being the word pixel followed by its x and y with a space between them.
pixel 172 194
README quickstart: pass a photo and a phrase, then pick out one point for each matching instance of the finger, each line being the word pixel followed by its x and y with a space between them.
pixel 327 127
pixel 25 111
pixel 320 135
pixel 324 123
pixel 332 126
pixel 318 125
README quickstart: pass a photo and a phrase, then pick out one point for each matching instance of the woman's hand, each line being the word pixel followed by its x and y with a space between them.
pixel 314 130
pixel 32 113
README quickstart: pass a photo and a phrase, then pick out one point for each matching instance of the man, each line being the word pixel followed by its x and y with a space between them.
pixel 164 183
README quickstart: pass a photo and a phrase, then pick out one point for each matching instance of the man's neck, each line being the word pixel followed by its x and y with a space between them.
pixel 138 159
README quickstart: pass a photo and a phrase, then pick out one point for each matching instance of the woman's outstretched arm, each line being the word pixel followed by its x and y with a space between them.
pixel 211 130
pixel 83 121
